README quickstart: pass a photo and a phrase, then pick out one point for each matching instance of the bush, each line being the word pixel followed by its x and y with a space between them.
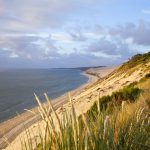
pixel 128 93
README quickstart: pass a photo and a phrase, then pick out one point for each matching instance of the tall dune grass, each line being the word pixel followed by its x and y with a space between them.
pixel 120 129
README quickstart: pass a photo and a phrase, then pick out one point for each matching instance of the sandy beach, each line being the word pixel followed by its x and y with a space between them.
pixel 12 127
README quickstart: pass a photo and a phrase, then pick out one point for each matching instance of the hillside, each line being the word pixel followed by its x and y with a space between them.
pixel 112 113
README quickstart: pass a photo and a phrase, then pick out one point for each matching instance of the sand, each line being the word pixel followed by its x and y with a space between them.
pixel 83 97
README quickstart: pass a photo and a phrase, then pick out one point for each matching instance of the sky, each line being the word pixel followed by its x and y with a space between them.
pixel 72 33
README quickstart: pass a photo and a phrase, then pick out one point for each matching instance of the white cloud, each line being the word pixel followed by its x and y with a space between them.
pixel 62 37
pixel 138 32
pixel 30 15
pixel 35 15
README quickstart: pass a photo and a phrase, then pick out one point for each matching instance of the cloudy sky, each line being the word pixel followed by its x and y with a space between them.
pixel 72 33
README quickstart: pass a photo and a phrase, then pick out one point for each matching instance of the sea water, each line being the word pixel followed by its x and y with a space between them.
pixel 17 87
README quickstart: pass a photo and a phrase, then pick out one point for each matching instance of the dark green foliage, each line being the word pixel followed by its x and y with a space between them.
pixel 92 112
pixel 107 103
pixel 128 93
pixel 104 102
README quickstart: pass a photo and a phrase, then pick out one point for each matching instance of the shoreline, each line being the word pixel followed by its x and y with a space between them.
pixel 11 128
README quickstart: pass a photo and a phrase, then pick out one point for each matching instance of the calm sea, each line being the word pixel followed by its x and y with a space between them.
pixel 17 87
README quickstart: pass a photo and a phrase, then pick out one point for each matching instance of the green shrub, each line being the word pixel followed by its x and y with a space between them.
pixel 104 102
pixel 128 93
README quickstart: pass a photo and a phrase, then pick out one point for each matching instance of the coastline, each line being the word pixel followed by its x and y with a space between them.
pixel 14 126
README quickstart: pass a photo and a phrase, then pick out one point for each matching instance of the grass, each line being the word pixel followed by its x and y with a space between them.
pixel 107 103
pixel 133 64
pixel 135 61
pixel 125 127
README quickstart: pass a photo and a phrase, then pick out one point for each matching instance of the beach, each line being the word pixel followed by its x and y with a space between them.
pixel 12 127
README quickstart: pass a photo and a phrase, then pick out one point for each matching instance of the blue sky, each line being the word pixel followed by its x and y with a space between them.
pixel 72 33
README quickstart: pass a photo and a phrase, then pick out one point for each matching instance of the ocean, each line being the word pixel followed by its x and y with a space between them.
pixel 17 87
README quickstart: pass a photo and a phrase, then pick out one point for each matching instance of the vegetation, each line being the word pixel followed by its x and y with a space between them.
pixel 125 127
pixel 129 94
pixel 139 59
